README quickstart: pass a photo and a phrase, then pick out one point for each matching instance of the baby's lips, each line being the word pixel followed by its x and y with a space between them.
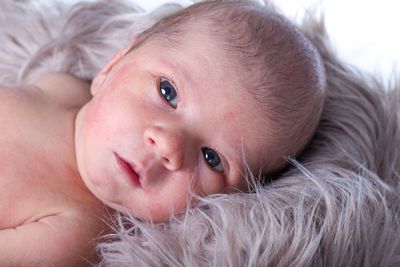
pixel 129 169
pixel 137 172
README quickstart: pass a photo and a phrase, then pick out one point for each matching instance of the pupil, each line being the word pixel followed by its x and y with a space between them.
pixel 211 157
pixel 167 91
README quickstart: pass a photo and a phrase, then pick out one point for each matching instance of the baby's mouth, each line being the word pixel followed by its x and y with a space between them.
pixel 128 170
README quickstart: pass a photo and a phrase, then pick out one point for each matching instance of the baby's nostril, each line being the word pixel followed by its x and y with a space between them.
pixel 165 160
pixel 151 141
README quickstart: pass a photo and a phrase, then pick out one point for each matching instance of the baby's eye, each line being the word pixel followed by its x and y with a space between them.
pixel 212 159
pixel 168 92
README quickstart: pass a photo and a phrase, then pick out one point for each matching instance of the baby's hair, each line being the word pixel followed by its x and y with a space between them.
pixel 273 60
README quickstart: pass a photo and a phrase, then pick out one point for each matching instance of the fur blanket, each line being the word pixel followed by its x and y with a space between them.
pixel 337 205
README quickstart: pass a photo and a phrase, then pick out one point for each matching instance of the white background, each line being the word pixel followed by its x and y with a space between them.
pixel 365 33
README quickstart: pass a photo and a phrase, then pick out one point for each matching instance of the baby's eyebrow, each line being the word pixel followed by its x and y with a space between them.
pixel 180 68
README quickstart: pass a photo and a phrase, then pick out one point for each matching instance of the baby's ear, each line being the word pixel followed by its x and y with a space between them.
pixel 100 78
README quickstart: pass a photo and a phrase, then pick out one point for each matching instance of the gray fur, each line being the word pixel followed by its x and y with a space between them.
pixel 337 205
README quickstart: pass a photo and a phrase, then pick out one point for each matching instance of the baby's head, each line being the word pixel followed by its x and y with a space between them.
pixel 193 103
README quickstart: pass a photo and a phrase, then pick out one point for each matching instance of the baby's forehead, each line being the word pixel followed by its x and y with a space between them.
pixel 195 58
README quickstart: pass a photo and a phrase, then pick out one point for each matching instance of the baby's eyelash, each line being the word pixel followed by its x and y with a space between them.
pixel 225 166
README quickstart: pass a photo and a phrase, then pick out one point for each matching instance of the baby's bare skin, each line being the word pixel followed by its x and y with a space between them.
pixel 46 211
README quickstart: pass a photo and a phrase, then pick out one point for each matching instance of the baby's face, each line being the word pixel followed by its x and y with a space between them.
pixel 162 123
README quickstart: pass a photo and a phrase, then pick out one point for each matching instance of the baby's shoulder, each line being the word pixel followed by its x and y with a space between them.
pixel 64 88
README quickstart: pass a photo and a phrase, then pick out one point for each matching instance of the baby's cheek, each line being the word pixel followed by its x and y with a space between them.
pixel 172 199
pixel 94 119
pixel 98 115
pixel 210 183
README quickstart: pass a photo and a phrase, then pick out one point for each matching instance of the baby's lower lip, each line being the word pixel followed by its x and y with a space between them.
pixel 128 170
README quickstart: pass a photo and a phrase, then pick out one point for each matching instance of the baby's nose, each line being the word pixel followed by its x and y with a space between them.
pixel 166 144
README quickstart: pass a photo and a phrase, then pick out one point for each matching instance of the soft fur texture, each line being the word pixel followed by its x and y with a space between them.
pixel 337 205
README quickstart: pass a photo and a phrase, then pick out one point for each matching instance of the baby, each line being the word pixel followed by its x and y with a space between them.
pixel 193 104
